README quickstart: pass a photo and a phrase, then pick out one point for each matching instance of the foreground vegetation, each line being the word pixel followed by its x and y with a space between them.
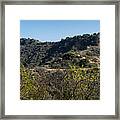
pixel 71 84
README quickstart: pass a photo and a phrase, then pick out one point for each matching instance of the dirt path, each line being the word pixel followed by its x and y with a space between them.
pixel 48 69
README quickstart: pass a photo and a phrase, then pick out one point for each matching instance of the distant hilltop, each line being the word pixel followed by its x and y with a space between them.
pixel 32 39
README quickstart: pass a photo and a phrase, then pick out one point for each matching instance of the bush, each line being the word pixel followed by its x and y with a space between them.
pixel 29 87
pixel 71 84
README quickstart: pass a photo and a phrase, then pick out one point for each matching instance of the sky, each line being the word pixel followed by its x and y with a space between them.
pixel 55 30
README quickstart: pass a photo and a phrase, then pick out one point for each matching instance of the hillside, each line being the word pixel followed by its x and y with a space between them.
pixel 79 50
pixel 64 70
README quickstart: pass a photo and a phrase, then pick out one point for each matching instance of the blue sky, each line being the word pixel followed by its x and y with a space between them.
pixel 54 30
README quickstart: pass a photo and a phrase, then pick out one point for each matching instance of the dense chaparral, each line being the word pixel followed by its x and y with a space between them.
pixel 65 70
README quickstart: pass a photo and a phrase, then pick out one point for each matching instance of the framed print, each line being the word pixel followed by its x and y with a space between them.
pixel 60 59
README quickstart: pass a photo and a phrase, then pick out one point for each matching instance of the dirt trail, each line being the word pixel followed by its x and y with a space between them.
pixel 50 69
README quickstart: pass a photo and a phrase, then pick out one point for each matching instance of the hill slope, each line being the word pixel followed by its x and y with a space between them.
pixel 80 50
pixel 64 70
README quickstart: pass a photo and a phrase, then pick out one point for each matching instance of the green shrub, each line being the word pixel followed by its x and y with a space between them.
pixel 29 87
